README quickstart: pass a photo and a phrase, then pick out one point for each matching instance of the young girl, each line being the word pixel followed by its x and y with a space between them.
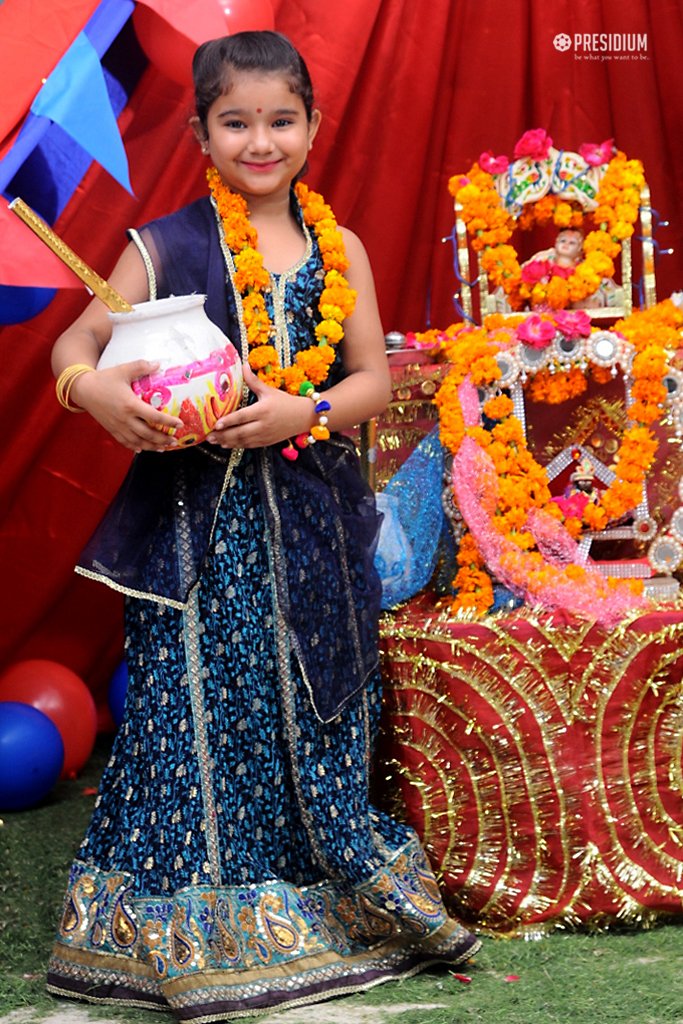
pixel 234 862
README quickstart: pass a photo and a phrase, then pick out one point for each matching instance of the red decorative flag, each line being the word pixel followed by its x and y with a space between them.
pixel 34 34
pixel 27 262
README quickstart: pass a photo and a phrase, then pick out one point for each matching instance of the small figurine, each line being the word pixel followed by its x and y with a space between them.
pixel 561 261
pixel 582 481
pixel 579 491
pixel 566 253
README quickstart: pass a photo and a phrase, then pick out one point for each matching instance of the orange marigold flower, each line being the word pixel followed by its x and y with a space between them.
pixel 509 431
pixel 572 526
pixel 499 407
pixel 320 357
pixel 654 334
pixel 555 388
pixel 249 270
pixel 483 437
pixel 329 331
pixel 601 374
pixel 262 356
pixel 293 377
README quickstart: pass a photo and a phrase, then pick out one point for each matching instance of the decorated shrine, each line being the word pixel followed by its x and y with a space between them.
pixel 533 716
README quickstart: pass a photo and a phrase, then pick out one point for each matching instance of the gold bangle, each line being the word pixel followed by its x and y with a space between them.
pixel 65 382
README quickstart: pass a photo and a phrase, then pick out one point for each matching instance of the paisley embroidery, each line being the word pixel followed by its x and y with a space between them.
pixel 376 924
pixel 261 949
pixel 123 928
pixel 204 941
pixel 405 890
pixel 429 886
pixel 181 950
pixel 283 936
pixel 226 947
pixel 71 919
pixel 159 964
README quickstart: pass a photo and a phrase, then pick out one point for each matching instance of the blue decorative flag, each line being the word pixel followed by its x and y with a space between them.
pixel 75 97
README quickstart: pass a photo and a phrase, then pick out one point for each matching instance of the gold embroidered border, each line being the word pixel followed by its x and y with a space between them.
pixel 278 572
pixel 147 260
pixel 128 591
pixel 194 672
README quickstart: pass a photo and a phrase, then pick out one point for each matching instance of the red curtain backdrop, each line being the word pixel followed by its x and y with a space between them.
pixel 412 91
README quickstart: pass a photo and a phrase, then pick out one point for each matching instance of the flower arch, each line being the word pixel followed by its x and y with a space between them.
pixel 544 185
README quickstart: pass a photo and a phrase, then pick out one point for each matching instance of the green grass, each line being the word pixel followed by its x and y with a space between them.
pixel 629 977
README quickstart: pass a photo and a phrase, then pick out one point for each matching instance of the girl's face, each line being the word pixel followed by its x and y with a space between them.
pixel 258 133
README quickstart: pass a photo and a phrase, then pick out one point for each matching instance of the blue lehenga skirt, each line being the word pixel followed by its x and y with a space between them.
pixel 234 862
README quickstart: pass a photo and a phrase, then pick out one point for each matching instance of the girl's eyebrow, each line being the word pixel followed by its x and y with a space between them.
pixel 241 112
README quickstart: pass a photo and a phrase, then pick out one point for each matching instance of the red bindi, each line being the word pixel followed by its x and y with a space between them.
pixel 258 110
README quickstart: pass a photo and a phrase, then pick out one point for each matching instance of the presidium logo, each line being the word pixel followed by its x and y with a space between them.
pixel 603 45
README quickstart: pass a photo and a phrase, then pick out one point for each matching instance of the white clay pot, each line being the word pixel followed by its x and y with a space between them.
pixel 200 372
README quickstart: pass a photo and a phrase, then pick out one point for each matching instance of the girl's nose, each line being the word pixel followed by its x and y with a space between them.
pixel 260 140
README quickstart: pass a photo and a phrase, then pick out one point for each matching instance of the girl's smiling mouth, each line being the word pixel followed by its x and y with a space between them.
pixel 260 165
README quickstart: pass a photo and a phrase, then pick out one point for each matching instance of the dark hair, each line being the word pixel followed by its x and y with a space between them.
pixel 247 51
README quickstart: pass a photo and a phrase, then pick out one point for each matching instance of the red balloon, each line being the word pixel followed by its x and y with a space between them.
pixel 169 50
pixel 61 695
pixel 170 44
pixel 247 15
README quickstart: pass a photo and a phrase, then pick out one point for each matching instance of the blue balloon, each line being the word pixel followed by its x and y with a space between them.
pixel 19 304
pixel 31 755
pixel 118 687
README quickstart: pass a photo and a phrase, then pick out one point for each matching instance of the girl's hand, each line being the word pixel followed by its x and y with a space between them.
pixel 108 397
pixel 274 416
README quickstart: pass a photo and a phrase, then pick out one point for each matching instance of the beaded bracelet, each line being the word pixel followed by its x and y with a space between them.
pixel 65 382
pixel 319 430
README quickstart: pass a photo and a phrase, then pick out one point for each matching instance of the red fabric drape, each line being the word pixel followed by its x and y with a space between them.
pixel 411 92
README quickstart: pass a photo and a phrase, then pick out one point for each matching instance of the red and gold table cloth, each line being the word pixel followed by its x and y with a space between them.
pixel 540 760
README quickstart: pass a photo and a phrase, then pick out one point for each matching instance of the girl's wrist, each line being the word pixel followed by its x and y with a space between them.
pixel 318 429
pixel 308 416
pixel 317 419
pixel 64 385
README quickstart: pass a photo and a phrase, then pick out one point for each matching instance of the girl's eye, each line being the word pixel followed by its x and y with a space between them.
pixel 234 124
pixel 282 122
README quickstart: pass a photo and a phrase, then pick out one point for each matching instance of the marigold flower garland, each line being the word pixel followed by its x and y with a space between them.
pixel 491 226
pixel 522 482
pixel 311 366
